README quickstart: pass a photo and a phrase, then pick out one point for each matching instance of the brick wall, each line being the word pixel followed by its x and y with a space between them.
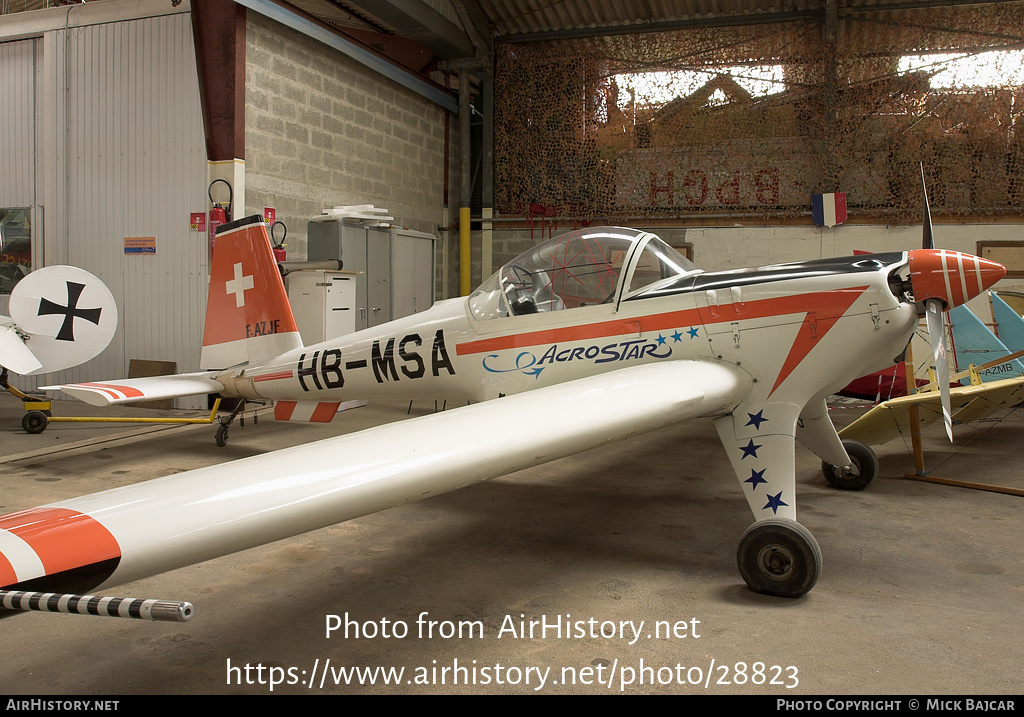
pixel 323 130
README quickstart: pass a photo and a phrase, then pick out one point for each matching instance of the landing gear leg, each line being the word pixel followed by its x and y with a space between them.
pixel 780 557
pixel 222 435
pixel 222 430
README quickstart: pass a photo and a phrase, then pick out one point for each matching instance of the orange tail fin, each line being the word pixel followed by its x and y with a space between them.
pixel 248 317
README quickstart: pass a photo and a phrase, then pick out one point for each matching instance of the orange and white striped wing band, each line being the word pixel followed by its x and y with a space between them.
pixel 41 547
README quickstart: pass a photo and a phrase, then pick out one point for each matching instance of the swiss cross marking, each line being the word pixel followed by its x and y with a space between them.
pixel 238 285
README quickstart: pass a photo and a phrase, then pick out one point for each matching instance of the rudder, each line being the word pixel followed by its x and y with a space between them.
pixel 248 317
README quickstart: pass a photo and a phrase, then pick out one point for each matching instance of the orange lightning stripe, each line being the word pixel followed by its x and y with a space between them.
pixel 828 307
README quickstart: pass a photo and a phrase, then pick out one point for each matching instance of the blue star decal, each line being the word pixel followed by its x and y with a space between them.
pixel 661 340
pixel 677 337
pixel 756 419
pixel 755 478
pixel 775 502
pixel 749 450
pixel 692 332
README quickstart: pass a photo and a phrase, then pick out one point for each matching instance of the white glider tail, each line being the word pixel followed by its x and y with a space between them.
pixel 61 316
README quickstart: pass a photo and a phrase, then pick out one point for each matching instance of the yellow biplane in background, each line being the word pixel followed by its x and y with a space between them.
pixel 991 385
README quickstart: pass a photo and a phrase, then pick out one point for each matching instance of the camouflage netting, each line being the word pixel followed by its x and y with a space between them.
pixel 751 121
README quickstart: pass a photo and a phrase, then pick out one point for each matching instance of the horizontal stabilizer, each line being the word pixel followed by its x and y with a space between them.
pixel 14 354
pixel 130 390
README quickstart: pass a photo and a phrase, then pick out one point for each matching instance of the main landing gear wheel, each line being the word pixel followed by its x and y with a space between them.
pixel 779 557
pixel 34 422
pixel 857 476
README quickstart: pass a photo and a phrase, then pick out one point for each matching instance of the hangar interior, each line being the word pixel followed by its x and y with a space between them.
pixel 479 128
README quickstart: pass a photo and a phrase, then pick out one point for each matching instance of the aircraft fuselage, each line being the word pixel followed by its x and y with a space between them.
pixel 784 324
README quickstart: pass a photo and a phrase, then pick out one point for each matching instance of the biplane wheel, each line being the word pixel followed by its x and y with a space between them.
pixel 222 436
pixel 34 422
pixel 863 471
pixel 780 557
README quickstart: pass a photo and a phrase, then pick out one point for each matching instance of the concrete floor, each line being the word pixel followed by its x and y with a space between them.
pixel 921 591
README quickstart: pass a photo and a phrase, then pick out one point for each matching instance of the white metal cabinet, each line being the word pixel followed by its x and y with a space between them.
pixel 323 303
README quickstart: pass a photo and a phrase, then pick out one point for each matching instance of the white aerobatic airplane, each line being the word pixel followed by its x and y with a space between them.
pixel 588 338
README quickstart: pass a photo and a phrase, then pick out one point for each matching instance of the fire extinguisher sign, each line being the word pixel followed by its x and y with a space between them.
pixel 269 216
pixel 197 222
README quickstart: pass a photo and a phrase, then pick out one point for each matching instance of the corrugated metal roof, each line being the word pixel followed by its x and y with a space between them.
pixel 513 20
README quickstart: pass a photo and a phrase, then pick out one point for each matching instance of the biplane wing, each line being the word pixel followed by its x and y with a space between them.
pixel 891 419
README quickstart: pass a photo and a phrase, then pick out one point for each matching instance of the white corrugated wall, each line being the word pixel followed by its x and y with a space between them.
pixel 125 156
pixel 17 129
pixel 17 118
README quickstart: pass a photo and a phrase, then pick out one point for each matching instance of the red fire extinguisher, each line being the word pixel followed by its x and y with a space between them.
pixel 279 252
pixel 220 213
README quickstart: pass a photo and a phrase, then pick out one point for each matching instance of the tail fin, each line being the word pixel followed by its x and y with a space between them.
pixel 975 344
pixel 248 317
pixel 68 316
pixel 1011 325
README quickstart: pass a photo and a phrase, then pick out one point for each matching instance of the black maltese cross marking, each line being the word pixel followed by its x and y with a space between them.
pixel 70 312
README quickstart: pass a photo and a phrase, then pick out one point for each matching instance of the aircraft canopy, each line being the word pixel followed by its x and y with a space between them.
pixel 584 267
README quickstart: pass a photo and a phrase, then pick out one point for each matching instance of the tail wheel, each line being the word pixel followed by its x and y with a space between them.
pixel 856 476
pixel 779 557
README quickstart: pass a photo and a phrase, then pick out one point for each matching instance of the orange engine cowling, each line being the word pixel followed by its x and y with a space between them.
pixel 952 277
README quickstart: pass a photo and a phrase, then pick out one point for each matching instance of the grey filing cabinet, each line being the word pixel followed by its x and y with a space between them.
pixel 394 266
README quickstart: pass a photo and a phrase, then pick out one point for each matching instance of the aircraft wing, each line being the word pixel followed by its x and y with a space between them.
pixel 129 390
pixel 14 354
pixel 189 517
pixel 891 419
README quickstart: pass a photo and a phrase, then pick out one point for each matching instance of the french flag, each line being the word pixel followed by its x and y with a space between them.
pixel 828 209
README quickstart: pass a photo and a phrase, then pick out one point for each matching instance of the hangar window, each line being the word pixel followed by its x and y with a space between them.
pixel 639 91
pixel 15 247
pixel 997 68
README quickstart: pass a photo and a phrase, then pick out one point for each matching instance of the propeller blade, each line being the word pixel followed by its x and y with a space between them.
pixel 927 240
pixel 937 334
